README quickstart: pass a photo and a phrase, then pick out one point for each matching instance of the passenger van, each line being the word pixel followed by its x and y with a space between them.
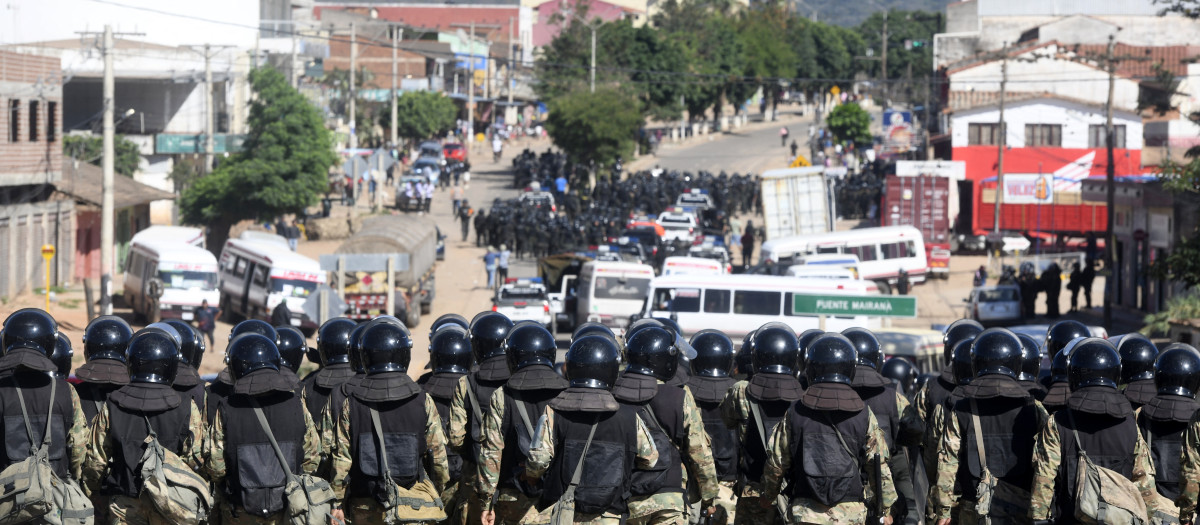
pixel 692 266
pixel 611 292
pixel 882 252
pixel 176 234
pixel 178 273
pixel 737 304
pixel 256 276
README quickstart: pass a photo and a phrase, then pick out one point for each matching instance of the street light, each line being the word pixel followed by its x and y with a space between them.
pixel 592 26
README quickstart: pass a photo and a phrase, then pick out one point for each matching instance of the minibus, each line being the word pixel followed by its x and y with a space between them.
pixel 882 252
pixel 610 292
pixel 169 279
pixel 256 276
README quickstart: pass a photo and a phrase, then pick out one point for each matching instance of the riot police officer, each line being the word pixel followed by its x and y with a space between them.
pixel 1031 367
pixel 754 408
pixel 1165 417
pixel 827 444
pixel 473 394
pixel 1060 385
pixel 333 350
pixel 332 416
pixel 62 355
pixel 191 351
pixel 1137 368
pixel 1058 336
pixel 709 384
pixel 222 387
pixel 919 424
pixel 658 494
pixel 385 406
pixel 292 347
pixel 450 359
pixel 148 405
pixel 1098 421
pixel 998 411
pixel 104 343
pixel 508 427
pixel 586 414
pixel 902 373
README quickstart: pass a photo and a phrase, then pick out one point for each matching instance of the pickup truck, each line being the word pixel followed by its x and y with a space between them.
pixel 524 299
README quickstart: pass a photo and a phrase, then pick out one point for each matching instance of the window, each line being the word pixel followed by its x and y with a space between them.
pixel 1043 135
pixel 865 253
pixel 33 121
pixel 897 250
pixel 716 301
pixel 260 276
pixel 240 269
pixel 14 120
pixel 756 303
pixel 827 249
pixel 1096 138
pixel 684 300
pixel 983 134
pixel 51 121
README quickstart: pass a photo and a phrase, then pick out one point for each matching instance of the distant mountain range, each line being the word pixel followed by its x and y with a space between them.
pixel 843 13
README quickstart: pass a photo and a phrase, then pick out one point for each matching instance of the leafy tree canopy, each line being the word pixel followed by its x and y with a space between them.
pixel 90 149
pixel 850 123
pixel 594 127
pixel 422 114
pixel 917 27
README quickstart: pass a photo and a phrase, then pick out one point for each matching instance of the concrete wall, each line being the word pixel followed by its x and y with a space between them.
pixel 962 16
pixel 24 228
pixel 26 78
pixel 1075 120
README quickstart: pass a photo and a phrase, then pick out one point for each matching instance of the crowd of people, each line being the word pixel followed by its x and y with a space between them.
pixel 645 427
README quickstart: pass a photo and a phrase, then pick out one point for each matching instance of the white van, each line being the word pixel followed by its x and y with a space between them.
pixel 611 292
pixel 737 304
pixel 256 276
pixel 882 252
pixel 691 266
pixel 180 274
pixel 176 234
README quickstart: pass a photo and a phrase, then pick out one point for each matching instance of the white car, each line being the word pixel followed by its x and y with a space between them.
pixel 995 305
pixel 679 225
pixel 524 300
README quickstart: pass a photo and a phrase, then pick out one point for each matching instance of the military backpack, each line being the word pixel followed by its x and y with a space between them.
pixel 176 491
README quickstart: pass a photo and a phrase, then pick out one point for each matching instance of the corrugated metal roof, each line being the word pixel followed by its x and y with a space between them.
pixel 86 184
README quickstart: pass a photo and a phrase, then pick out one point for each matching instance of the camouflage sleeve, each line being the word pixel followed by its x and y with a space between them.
pixel 313 449
pixel 77 438
pixel 698 449
pixel 941 493
pixel 1189 465
pixel 647 453
pixel 919 403
pixel 541 451
pixel 877 446
pixel 1143 475
pixel 729 407
pixel 435 444
pixel 193 446
pixel 458 415
pixel 214 450
pixel 95 466
pixel 933 433
pixel 491 449
pixel 341 453
pixel 779 459
pixel 1047 455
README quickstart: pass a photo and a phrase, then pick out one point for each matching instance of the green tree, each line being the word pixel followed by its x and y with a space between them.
pixel 90 149
pixel 594 127
pixel 768 56
pixel 850 123
pixel 917 27
pixel 1186 306
pixel 422 114
pixel 282 168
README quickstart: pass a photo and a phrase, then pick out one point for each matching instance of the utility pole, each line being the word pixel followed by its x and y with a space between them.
pixel 351 89
pixel 471 86
pixel 397 35
pixel 107 208
pixel 209 150
pixel 593 69
pixel 511 62
pixel 1003 132
pixel 1110 179
pixel 295 65
pixel 883 59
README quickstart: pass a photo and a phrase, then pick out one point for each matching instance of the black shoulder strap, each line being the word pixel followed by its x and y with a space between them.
pixel 262 421
pixel 49 415
pixel 978 436
pixel 524 416
pixel 579 466
pixel 378 428
pixel 756 413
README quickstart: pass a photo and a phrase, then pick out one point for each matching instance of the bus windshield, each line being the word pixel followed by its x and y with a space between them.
pixel 188 280
pixel 634 288
pixel 292 287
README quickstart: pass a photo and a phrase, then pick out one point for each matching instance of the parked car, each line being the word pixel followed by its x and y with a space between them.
pixel 455 151
pixel 994 305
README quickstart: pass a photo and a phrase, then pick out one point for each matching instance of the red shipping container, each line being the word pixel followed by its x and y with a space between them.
pixel 926 203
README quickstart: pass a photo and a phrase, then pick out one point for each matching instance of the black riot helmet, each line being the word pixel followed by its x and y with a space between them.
pixel 1058 368
pixel 960 361
pixel 957 331
pixel 714 353
pixel 255 326
pixel 997 351
pixel 30 328
pixel 902 371
pixel 831 359
pixel 356 362
pixel 292 346
pixel 62 355
pixel 191 351
pixel 592 328
pixel 448 320
pixel 867 346
pixel 1063 332
pixel 450 350
pixel 333 340
pixel 1137 357
pixel 803 340
pixel 1177 371
pixel 153 357
pixel 1031 358
pixel 106 337
pixel 743 360
pixel 1093 362
pixel 652 351
pixel 385 347
pixel 170 329
pixel 640 324
pixel 775 350
pixel 529 344
pixel 488 332
pixel 591 362
pixel 251 352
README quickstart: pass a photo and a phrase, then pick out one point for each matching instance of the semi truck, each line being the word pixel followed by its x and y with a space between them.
pixel 404 244
pixel 796 201
pixel 929 204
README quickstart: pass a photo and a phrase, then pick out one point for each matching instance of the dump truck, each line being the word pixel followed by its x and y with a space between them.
pixel 396 253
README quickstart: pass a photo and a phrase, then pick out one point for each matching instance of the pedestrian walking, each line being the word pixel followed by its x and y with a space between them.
pixel 735 232
pixel 1073 286
pixel 206 320
pixel 456 197
pixel 464 217
pixel 783 136
pixel 481 237
pixel 748 240
pixel 489 265
pixel 427 195
pixel 502 263
pixel 1086 277
pixel 1051 282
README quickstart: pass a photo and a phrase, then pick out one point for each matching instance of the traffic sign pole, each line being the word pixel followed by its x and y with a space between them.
pixel 48 255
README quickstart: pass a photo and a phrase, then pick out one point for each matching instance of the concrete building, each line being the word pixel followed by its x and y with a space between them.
pixel 31 94
pixel 1044 121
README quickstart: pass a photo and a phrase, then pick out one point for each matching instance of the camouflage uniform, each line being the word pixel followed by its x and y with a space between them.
pixel 942 497
pixel 752 506
pixel 511 505
pixel 1047 456
pixel 696 451
pixel 541 454
pixel 124 509
pixel 77 436
pixel 472 507
pixel 214 464
pixel 1189 465
pixel 368 511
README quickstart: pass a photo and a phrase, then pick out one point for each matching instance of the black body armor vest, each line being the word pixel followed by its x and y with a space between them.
pixel 752 457
pixel 608 467
pixel 1009 427
pixel 723 439
pixel 512 459
pixel 882 401
pixel 822 468
pixel 254 478
pixel 1109 443
pixel 35 386
pixel 403 426
pixel 128 428
pixel 663 416
pixel 483 390
pixel 92 396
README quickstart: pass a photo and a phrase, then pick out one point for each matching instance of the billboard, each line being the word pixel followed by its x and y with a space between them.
pixel 898 131
pixel 1026 188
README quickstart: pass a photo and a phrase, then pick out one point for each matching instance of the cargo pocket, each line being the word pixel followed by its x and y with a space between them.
pixel 603 474
pixel 829 470
pixel 262 478
pixel 403 457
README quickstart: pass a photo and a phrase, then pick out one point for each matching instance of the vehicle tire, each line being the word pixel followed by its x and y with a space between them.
pixel 884 287
pixel 412 318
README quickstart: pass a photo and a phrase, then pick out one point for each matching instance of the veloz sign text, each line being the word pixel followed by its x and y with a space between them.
pixel 848 305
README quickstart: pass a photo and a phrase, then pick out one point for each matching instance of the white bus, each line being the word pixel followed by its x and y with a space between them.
pixel 882 252
pixel 611 292
pixel 178 234
pixel 737 304
pixel 256 276
pixel 677 265
pixel 179 274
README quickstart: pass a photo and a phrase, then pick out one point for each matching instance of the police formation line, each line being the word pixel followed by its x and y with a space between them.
pixel 649 428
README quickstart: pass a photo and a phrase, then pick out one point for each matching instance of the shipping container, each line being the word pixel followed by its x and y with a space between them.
pixel 795 202
pixel 929 204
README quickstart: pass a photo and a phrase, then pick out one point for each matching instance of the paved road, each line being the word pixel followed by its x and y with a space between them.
pixel 752 149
